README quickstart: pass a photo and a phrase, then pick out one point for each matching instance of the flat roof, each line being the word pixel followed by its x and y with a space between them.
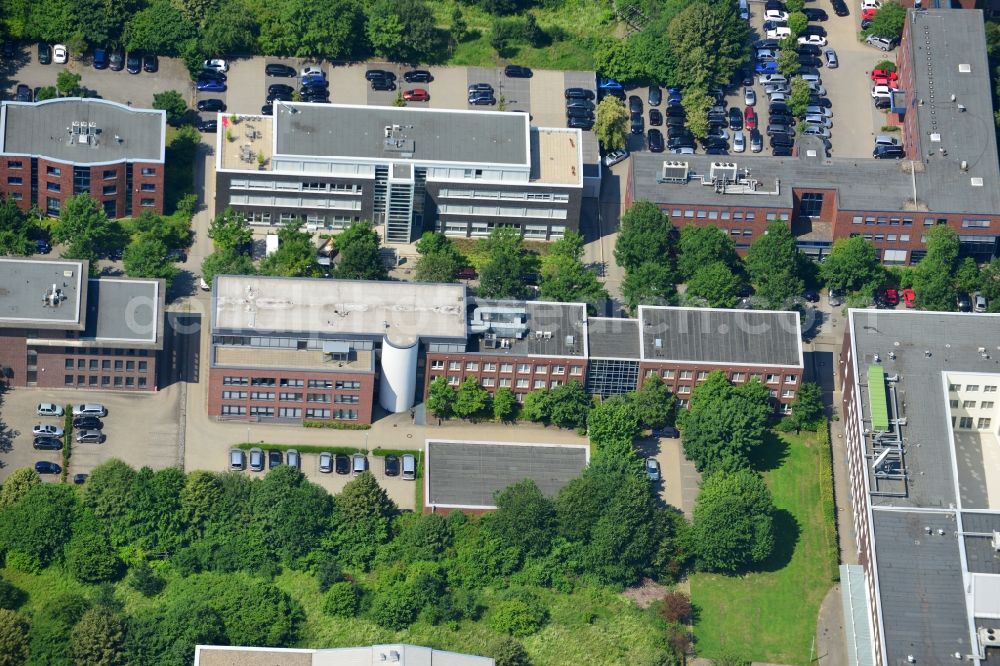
pixel 125 311
pixel 551 329
pixel 24 284
pixel 713 335
pixel 949 59
pixel 112 132
pixel 401 654
pixel 402 311
pixel 614 338
pixel 556 156
pixel 423 135
pixel 467 474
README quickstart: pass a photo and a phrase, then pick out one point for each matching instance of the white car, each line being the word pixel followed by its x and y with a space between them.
pixel 60 54
pixel 739 143
pixel 815 130
pixel 46 430
pixel 772 88
pixel 49 409
pixel 90 409
pixel 817 89
pixel 812 40
pixel 614 157
pixel 217 64
pixel 781 32
pixel 765 79
pixel 778 97
pixel 816 119
pixel 312 70
pixel 884 92
pixel 749 96
pixel 775 15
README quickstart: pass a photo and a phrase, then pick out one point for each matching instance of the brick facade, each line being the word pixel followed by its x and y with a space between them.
pixel 682 378
pixel 520 373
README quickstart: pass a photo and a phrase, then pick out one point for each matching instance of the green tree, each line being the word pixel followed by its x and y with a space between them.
pixel 322 29
pixel 733 526
pixel 696 103
pixel 614 419
pixel 504 405
pixel 68 83
pixel 289 515
pixel 990 281
pixel 852 265
pixel 86 229
pixel 569 405
pixel 17 485
pixel 145 581
pixel 617 58
pixel 888 21
pixel 440 398
pixel 148 257
pixel 14 645
pixel 611 123
pixel 38 526
pixel 52 20
pixel 11 596
pixel 564 277
pixel 650 283
pixel 439 258
pixel 363 498
pixel 724 423
pixel 807 407
pixel 510 652
pixel 644 236
pixel 202 493
pixel 341 600
pixel 699 246
pixel 522 614
pixel 524 519
pixel 788 62
pixel 710 41
pixel 653 403
pixel 90 557
pixel 537 406
pixel 797 22
pixel 967 277
pixel 932 277
pixel 173 103
pixel 471 399
pixel 716 284
pixel 402 30
pixel 459 27
pixel 652 51
pixel 159 28
pixel 295 256
pixel 358 253
pixel 226 262
pixel 99 638
pixel 46 92
pixel 168 632
pixel 233 29
pixel 798 100
pixel 773 264
pixel 503 264
pixel 795 5
pixel 16 230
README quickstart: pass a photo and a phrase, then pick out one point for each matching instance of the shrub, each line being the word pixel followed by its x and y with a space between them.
pixel 675 607
pixel 11 596
pixel 145 581
pixel 520 614
pixel 341 599
pixel 21 561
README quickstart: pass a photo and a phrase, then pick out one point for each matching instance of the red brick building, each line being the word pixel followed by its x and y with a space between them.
pixel 58 328
pixel 950 174
pixel 58 148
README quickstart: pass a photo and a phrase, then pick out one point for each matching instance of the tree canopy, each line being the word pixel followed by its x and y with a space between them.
pixel 501 274
pixel 564 277
pixel 611 124
pixel 773 265
pixel 852 265
pixel 16 230
pixel 358 255
pixel 295 256
pixel 709 42
pixel 644 236
pixel 733 527
pixel 86 229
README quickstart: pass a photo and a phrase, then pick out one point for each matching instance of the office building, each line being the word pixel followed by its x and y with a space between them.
pixel 373 655
pixel 406 169
pixel 59 328
pixel 921 426
pixel 58 148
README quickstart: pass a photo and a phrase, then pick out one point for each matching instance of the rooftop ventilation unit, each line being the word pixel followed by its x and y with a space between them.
pixel 723 172
pixel 995 541
pixel 988 636
pixel 53 297
pixel 674 172
pixel 964 67
pixel 505 322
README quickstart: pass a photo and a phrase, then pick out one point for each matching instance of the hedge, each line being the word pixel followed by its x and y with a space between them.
pixel 336 425
pixel 67 451
pixel 302 448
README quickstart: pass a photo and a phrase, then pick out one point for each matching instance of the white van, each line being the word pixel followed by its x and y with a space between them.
pixel 409 467
pixel 744 10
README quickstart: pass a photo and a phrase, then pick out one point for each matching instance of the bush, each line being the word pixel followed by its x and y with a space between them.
pixel 145 581
pixel 675 607
pixel 327 573
pixel 11 596
pixel 341 600
pixel 520 614
pixel 21 561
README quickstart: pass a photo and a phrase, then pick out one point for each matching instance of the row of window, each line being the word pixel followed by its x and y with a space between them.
pixel 466 228
pixel 965 422
pixel 294 186
pixel 103 351
pixel 522 368
pixel 503 211
pixel 988 388
pixel 346 385
pixel 735 377
pixel 748 215
pixel 106 190
pixel 290 412
pixel 971 404
pixel 120 366
pixel 526 384
pixel 105 381
pixel 57 171
pixel 449 193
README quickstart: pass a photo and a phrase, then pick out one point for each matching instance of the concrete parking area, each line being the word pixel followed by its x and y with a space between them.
pixel 141 428
pixel 679 480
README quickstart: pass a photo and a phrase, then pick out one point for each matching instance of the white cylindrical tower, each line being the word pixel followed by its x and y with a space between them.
pixel 397 389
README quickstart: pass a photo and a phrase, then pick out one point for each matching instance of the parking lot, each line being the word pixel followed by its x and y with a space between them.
pixel 141 428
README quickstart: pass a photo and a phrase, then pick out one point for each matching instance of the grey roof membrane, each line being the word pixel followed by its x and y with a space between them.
pixel 979 554
pixel 469 473
pixel 45 128
pixel 23 284
pixel 613 338
pixel 429 135
pixel 721 336
pixel 920 586
pixel 124 310
pixel 562 320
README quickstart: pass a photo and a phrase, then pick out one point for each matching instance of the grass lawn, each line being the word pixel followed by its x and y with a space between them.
pixel 574 28
pixel 771 615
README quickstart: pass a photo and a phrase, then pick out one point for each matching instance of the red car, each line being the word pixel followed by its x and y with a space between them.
pixel 891 83
pixel 892 297
pixel 868 14
pixel 884 74
pixel 750 118
pixel 416 95
pixel 910 298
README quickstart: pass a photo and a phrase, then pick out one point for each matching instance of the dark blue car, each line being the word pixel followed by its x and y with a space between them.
pixel 100 58
pixel 211 85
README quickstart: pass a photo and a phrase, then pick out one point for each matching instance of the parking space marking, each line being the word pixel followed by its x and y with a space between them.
pixel 449 89
pixel 348 84
pixel 549 106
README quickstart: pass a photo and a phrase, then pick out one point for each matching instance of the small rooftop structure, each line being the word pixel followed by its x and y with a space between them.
pixel 466 475
pixel 82 131
pixel 538 328
pixel 347 309
pixel 399 654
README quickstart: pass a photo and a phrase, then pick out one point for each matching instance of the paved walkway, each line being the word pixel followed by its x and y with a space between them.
pixel 831 643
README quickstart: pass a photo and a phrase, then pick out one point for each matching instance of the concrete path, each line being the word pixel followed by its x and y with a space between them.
pixel 831 642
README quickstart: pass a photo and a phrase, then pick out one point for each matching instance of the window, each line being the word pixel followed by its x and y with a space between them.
pixel 320 383
pixel 108 190
pixel 93 364
pixel 53 171
pixel 119 365
pixel 539 383
pixel 290 397
pixel 982 424
pixel 702 375
pixel 118 381
pixel 68 380
pixel 317 397
pixel 290 412
pixel 52 206
pixel 148 171
pixel 773 379
pixel 668 374
pixel 975 224
pixel 294 383
pixel 541 369
pixel 522 383
pixel 235 381
pixel 453 380
pixel 261 395
pixel 968 404
pixel 14 180
pixel 233 410
pixel 69 364
pixel 345 414
pixel 524 367
pixel 317 413
pixel 454 365
pixel 130 366
pixel 471 366
pixel 954 387
pixel 52 187
pixel 685 374
pixel 142 382
pixel 755 377
pixel 347 399
pixel 143 366
pixel 505 382
pixel 109 174
pixel 953 403
pixel 147 202
pixel 739 377
pixel 489 367
pixel 147 187
pixel 262 411
pixel 347 385
pixel 106 381
pixel 790 379
pixel 262 381
pixel 576 370
pixel 684 388
pixel 986 404
pixel 129 382
pixel 15 164
pixel 990 388
pixel 234 395
pixel 506 367
pixel 965 422
pixel 972 387
pixel 437 365
pixel 488 381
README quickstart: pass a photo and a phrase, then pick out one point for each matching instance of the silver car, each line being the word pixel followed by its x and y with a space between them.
pixel 90 436
pixel 739 142
pixel 325 462
pixel 40 430
pixel 749 96
pixel 816 130
pixel 49 409
pixel 292 458
pixel 256 459
pixel 653 469
pixel 831 59
pixel 816 119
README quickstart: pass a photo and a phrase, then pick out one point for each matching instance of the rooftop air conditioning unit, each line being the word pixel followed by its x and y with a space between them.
pixel 995 541
pixel 988 636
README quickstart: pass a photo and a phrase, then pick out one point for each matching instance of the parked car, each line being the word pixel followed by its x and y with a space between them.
pixel 256 460
pixel 581 93
pixel 840 8
pixel 416 95
pixel 888 153
pixel 277 69
pixel 655 118
pixel 90 409
pixel 342 463
pixel 819 119
pixel 891 297
pixel 814 39
pixel 325 462
pixel 116 60
pixel 756 141
pixel 133 63
pixel 214 104
pixel 49 409
pixel 769 79
pixel 89 436
pixel 60 54
pixel 580 123
pixel 831 59
pixel 654 138
pixel 23 93
pixel 482 100
pixel 735 118
pixel 150 63
pixel 79 479
pixel 46 430
pixel 417 76
pixel 359 463
pixel 237 460
pixel 280 88
pixel 739 142
pixel 274 458
pixel 637 125
pixel 652 469
pixel 210 85
pixel 517 72
pixel 292 459
pixel 100 58
pixel 815 14
pixel 811 295
pixel 655 96
pixel 909 298
pixel 963 302
pixel 749 96
pixel 835 298
pixel 750 118
pixel 44 54
pixel 216 64
pixel 881 43
pixel 391 464
pixel 267 110
pixel 816 130
pixel 819 111
pixel 383 84
pixel 480 87
pixel 766 68
pixel 779 32
pixel 46 467
pixel 313 70
pixel 47 443
pixel 614 157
